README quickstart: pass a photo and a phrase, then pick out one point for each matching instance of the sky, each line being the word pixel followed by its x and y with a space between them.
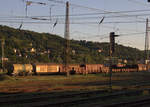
pixel 126 18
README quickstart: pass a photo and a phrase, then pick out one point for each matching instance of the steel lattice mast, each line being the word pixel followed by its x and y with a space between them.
pixel 146 42
pixel 67 41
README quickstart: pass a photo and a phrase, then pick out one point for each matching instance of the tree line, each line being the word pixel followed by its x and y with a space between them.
pixel 22 46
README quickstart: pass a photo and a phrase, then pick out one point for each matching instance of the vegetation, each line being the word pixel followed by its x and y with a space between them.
pixel 127 80
pixel 22 46
pixel 90 89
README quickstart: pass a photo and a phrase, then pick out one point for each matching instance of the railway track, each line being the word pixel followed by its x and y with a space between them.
pixel 92 99
pixel 65 101
pixel 136 103
pixel 69 99
pixel 41 97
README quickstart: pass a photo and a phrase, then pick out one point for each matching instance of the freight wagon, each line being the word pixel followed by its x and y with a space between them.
pixel 94 68
pixel 20 69
pixel 29 69
pixel 47 68
pixel 142 67
pixel 125 68
pixel 74 69
pixel 85 68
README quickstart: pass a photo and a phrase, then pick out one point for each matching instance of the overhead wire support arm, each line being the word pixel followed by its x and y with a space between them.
pixel 28 3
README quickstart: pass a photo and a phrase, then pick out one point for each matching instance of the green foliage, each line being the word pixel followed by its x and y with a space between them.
pixel 49 48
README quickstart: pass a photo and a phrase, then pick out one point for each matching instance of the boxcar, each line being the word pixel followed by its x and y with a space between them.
pixel 47 68
pixel 94 68
pixel 74 68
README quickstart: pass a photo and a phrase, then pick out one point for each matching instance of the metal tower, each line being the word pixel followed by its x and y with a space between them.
pixel 2 58
pixel 146 42
pixel 67 41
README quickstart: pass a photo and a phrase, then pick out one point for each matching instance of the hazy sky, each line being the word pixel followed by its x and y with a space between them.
pixel 128 19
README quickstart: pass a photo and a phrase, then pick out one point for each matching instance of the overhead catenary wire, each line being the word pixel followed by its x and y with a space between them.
pixel 38 21
pixel 33 22
pixel 89 17
pixel 107 35
pixel 106 12
pixel 76 5
pixel 101 13
pixel 95 9
pixel 138 2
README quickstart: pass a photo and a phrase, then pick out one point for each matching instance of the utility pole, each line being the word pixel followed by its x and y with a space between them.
pixel 146 43
pixel 67 41
pixel 112 50
pixel 2 45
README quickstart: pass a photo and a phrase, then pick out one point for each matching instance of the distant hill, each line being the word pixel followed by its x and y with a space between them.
pixel 22 46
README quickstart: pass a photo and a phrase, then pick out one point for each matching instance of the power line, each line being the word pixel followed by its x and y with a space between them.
pixel 137 2
pixel 104 13
pixel 60 22
pixel 95 9
pixel 38 17
pixel 88 14
pixel 115 22
pixel 76 18
pixel 76 5
pixel 129 34
pixel 120 35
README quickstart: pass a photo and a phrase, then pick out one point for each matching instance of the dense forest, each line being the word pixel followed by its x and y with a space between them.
pixel 22 46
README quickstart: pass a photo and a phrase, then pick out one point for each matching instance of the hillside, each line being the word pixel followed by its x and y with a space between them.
pixel 23 46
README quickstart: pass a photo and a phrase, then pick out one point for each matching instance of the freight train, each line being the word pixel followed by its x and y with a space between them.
pixel 38 69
